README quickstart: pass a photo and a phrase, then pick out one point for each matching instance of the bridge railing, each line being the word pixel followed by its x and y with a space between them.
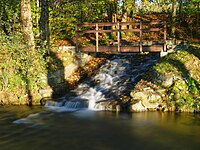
pixel 140 28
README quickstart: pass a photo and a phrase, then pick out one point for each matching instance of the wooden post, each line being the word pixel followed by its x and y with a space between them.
pixel 97 38
pixel 165 36
pixel 78 52
pixel 76 28
pixel 118 38
pixel 140 36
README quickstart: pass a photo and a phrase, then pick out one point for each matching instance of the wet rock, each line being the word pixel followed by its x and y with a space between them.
pixel 138 107
pixel 149 99
pixel 118 108
pixel 110 105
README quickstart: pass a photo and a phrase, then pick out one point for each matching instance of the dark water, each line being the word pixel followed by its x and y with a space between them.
pixel 40 129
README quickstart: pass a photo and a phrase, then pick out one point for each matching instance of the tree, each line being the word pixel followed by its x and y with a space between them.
pixel 26 23
pixel 9 16
pixel 173 28
pixel 44 24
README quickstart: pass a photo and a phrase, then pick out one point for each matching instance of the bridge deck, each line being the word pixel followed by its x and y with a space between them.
pixel 133 49
pixel 139 27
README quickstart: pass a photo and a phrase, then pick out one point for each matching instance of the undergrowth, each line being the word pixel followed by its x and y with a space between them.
pixel 184 67
pixel 22 71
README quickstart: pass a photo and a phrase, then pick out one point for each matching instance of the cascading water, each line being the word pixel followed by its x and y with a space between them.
pixel 114 78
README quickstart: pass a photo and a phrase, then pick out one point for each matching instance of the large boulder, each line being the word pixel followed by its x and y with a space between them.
pixel 138 107
pixel 147 99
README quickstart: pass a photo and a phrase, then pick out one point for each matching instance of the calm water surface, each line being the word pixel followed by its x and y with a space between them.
pixel 25 128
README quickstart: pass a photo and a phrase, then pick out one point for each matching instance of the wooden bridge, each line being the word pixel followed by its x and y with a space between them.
pixel 134 46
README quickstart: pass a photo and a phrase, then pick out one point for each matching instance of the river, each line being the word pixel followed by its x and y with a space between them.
pixel 77 121
pixel 35 128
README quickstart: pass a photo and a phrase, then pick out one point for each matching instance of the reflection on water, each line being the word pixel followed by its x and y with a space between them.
pixel 25 128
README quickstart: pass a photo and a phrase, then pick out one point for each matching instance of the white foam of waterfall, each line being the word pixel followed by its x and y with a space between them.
pixel 112 79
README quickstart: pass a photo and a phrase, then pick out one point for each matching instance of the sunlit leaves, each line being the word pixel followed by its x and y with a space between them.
pixel 9 12
pixel 19 64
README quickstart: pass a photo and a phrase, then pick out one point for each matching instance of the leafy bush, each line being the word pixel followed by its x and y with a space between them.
pixel 22 71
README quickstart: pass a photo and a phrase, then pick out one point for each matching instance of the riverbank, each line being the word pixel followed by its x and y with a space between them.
pixel 172 84
pixel 26 76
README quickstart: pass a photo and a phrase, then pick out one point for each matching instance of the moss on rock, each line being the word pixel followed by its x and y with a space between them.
pixel 178 75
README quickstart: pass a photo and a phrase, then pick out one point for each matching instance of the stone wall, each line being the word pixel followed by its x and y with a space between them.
pixel 57 79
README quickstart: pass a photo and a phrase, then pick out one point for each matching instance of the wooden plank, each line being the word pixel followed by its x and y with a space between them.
pixel 120 23
pixel 129 23
pixel 152 29
pixel 87 48
pixel 134 49
pixel 101 49
pixel 165 37
pixel 118 38
pixel 109 31
pixel 120 30
pixel 153 22
pixel 153 48
pixel 107 24
pixel 97 38
pixel 140 36
pixel 127 49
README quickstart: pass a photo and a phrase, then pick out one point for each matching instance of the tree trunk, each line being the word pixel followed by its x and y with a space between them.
pixel 198 14
pixel 37 18
pixel 44 24
pixel 26 23
pixel 173 28
pixel 180 10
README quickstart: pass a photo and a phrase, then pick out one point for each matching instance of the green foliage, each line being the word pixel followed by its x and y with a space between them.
pixel 35 12
pixel 191 7
pixel 184 92
pixel 21 70
pixel 9 16
pixel 192 86
pixel 64 15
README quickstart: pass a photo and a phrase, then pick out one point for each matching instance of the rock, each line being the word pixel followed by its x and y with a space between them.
pixel 118 108
pixel 138 107
pixel 165 81
pixel 149 98
pixel 45 92
pixel 69 69
pixel 110 105
pixel 154 97
pixel 150 105
pixel 139 95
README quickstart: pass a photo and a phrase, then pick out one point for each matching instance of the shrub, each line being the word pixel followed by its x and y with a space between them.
pixel 22 71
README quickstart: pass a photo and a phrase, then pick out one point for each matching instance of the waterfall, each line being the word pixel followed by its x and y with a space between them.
pixel 112 80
